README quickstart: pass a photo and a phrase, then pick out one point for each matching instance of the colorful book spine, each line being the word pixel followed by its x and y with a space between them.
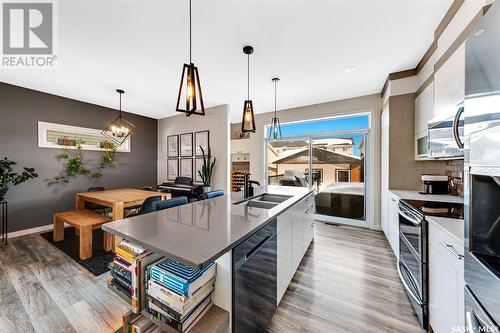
pixel 167 292
pixel 181 308
pixel 124 253
pixel 137 249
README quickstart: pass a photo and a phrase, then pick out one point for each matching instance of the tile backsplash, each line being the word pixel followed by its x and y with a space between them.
pixel 454 169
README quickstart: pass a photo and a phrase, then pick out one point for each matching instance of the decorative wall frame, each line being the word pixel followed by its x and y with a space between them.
pixel 172 146
pixel 201 138
pixel 186 145
pixel 172 169
pixel 198 164
pixel 59 136
pixel 186 167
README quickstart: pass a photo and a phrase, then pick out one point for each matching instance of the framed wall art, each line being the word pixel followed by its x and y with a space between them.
pixel 186 146
pixel 202 139
pixel 198 164
pixel 172 146
pixel 186 167
pixel 172 169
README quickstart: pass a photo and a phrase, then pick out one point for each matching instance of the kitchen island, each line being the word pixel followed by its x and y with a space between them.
pixel 221 229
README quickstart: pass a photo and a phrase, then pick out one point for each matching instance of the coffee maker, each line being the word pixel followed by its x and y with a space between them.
pixel 434 184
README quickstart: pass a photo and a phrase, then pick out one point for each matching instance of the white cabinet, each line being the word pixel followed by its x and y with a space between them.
pixel 449 85
pixel 295 233
pixel 284 265
pixel 446 282
pixel 443 287
pixel 424 108
pixel 297 242
pixel 393 225
pixel 307 223
pixel 384 173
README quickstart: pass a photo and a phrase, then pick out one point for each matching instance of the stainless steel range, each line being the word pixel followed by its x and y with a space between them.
pixel 482 176
pixel 413 249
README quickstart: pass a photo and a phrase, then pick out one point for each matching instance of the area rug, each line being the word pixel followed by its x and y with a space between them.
pixel 97 264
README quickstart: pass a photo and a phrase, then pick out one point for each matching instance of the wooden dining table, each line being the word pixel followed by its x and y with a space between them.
pixel 118 200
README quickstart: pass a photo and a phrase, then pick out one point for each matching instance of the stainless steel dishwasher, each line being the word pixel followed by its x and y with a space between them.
pixel 254 281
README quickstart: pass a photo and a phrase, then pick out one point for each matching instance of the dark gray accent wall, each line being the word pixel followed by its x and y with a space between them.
pixel 32 204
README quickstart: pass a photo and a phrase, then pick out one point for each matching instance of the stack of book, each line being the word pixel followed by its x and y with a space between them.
pixel 126 271
pixel 178 295
pixel 137 323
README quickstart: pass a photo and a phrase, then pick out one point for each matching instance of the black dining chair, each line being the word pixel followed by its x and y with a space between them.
pixel 103 210
pixel 147 188
pixel 212 194
pixel 147 206
pixel 174 202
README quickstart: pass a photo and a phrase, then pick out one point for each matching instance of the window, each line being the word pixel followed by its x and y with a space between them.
pixel 343 176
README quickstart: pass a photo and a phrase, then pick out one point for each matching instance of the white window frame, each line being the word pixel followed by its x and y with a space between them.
pixel 44 127
pixel 337 175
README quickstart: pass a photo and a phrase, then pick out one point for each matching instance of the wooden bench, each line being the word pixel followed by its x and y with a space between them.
pixel 84 221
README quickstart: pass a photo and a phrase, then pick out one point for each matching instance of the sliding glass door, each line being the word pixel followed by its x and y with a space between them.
pixel 332 164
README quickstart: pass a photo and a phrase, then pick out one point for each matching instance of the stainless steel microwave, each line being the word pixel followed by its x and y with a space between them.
pixel 445 137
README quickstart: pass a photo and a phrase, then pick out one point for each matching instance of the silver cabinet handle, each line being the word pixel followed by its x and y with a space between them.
pixel 307 211
pixel 393 200
pixel 453 251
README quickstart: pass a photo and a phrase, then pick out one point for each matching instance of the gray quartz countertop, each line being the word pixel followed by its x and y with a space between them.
pixel 200 232
pixel 415 195
pixel 454 227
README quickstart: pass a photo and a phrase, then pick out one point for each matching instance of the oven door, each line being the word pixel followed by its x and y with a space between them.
pixel 412 227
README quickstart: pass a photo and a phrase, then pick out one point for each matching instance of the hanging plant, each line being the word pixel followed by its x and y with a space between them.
pixel 74 163
pixel 7 176
pixel 108 158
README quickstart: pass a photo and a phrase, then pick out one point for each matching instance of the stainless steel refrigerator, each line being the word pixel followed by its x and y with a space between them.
pixel 482 175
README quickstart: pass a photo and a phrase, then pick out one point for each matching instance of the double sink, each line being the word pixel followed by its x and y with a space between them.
pixel 264 201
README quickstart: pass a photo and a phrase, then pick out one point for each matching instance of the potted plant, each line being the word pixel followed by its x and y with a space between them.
pixel 7 176
pixel 207 169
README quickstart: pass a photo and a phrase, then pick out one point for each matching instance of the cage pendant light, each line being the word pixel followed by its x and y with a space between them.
pixel 190 99
pixel 248 119
pixel 120 129
pixel 275 128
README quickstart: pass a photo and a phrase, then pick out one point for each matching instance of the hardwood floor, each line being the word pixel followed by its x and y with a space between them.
pixel 347 282
pixel 43 290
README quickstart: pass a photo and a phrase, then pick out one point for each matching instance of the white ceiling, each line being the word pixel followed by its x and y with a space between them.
pixel 140 46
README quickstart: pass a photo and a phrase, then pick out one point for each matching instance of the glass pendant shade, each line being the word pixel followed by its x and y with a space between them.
pixel 248 120
pixel 120 129
pixel 275 128
pixel 190 99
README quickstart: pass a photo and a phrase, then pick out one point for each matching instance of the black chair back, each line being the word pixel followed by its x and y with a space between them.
pixel 148 205
pixel 184 180
pixel 147 188
pixel 212 194
pixel 92 206
pixel 174 202
pixel 96 189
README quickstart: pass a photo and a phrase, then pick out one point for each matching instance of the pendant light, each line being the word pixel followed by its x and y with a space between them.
pixel 190 87
pixel 120 129
pixel 248 120
pixel 275 128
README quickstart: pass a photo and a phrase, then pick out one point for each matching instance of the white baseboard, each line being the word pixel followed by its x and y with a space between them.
pixel 36 230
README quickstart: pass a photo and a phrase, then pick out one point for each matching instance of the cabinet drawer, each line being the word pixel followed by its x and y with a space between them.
pixel 450 248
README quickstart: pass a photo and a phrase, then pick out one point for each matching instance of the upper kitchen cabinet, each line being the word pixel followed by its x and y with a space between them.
pixel 424 111
pixel 424 108
pixel 449 85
